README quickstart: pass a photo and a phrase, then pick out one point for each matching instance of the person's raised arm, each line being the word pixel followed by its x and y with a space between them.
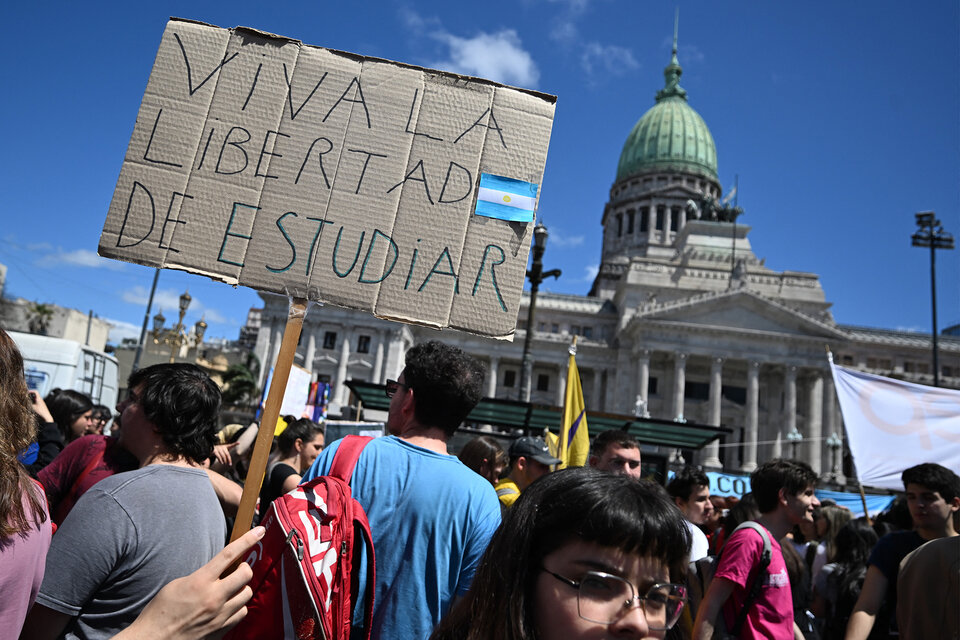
pixel 868 604
pixel 717 594
pixel 202 604
pixel 228 492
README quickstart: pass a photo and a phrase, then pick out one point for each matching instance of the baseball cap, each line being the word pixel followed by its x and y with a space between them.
pixel 531 447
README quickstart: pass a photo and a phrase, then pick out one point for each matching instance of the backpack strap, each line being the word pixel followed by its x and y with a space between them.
pixel 811 556
pixel 345 459
pixel 753 589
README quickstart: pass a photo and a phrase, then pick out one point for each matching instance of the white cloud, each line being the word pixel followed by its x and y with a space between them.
pixel 564 28
pixel 496 56
pixel 77 258
pixel 591 272
pixel 120 330
pixel 610 59
pixel 565 32
pixel 565 241
pixel 39 246
pixel 168 301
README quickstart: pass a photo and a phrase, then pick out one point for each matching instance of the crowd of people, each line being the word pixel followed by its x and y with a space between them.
pixel 123 535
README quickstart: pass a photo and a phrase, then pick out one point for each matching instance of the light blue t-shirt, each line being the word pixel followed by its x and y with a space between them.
pixel 431 519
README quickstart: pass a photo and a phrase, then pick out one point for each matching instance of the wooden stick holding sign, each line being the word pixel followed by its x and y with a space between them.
pixel 271 413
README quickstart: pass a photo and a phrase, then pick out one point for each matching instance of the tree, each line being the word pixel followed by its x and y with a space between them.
pixel 239 384
pixel 40 314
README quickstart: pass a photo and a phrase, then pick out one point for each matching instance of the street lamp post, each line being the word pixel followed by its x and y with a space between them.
pixel 835 444
pixel 178 335
pixel 174 336
pixel 931 234
pixel 794 438
pixel 536 275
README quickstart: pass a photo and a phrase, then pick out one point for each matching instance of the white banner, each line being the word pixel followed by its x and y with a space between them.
pixel 892 425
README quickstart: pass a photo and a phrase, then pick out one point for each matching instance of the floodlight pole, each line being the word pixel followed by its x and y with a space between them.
pixel 931 234
pixel 146 319
pixel 536 275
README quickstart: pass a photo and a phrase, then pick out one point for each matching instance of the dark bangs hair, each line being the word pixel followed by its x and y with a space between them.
pixel 609 510
pixel 565 506
pixel 184 403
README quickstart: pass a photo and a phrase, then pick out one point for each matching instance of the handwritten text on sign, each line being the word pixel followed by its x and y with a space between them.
pixel 261 161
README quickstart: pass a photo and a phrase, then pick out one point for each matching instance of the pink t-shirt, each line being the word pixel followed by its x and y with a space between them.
pixel 22 559
pixel 771 614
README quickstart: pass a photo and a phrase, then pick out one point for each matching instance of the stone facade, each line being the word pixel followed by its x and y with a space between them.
pixel 682 322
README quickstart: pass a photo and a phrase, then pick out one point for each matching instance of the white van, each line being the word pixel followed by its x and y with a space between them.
pixel 51 363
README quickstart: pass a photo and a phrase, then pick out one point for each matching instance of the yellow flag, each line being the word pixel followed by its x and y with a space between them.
pixel 553 443
pixel 574 441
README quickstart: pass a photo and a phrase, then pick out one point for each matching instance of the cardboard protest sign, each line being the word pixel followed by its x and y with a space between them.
pixel 261 161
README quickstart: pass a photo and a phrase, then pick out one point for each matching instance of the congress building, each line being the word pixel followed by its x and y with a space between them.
pixel 683 323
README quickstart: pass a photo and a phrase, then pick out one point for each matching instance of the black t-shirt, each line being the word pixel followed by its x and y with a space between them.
pixel 273 487
pixel 886 556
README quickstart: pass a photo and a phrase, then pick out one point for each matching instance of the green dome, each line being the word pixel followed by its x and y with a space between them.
pixel 670 136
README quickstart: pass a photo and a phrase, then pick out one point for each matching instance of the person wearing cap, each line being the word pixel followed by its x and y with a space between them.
pixel 529 459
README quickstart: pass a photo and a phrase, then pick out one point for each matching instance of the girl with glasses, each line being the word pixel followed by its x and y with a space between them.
pixel 582 554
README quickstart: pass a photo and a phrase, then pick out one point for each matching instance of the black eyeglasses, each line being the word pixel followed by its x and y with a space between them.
pixel 604 598
pixel 392 386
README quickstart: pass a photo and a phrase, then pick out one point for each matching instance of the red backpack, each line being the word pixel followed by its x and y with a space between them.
pixel 306 569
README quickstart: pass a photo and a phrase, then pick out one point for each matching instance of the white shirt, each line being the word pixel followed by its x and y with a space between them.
pixel 699 547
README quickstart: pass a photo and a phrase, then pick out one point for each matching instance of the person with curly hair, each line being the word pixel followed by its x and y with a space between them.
pixel 24 525
pixel 430 516
pixel 133 532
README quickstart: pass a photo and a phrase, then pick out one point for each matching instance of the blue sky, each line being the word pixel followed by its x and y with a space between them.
pixel 841 120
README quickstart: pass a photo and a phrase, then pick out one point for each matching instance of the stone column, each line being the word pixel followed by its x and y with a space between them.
pixel 492 374
pixel 833 424
pixel 311 347
pixel 750 422
pixel 679 383
pixel 789 410
pixel 597 395
pixel 814 443
pixel 667 215
pixel 265 338
pixel 711 453
pixel 378 358
pixel 341 392
pixel 643 378
pixel 276 336
pixel 561 384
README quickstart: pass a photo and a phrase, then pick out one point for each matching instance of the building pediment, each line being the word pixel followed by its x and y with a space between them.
pixel 737 310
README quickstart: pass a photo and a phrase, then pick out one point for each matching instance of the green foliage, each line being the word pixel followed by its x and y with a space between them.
pixel 240 383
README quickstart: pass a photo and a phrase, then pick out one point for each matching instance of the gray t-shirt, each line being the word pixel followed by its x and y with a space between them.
pixel 126 538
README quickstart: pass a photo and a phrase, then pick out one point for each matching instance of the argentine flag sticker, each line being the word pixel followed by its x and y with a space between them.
pixel 506 198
